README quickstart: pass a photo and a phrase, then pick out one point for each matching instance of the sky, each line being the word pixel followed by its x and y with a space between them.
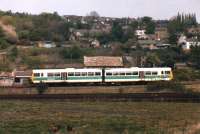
pixel 158 9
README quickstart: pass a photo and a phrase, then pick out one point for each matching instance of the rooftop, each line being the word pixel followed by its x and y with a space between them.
pixel 103 61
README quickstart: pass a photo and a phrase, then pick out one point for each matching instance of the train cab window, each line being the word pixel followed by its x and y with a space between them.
pixel 135 73
pixel 36 74
pixel 70 74
pixel 122 73
pixel 108 74
pixel 154 73
pixel 148 73
pixel 77 74
pixel 167 72
pixel 129 73
pixel 84 74
pixel 57 74
pixel 50 75
pixel 90 74
pixel 97 73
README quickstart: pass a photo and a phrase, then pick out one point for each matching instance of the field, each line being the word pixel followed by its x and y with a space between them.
pixel 62 117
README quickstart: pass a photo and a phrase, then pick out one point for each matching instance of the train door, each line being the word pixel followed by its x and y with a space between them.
pixel 63 76
pixel 103 75
pixel 141 75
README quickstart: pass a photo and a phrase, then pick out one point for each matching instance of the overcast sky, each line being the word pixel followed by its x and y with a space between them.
pixel 158 9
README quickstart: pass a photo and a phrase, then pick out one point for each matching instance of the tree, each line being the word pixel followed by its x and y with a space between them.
pixel 72 53
pixel 195 56
pixel 94 14
pixel 153 60
pixel 149 24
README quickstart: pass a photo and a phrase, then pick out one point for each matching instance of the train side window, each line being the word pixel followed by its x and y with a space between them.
pixel 77 74
pixel 42 74
pixel 70 74
pixel 50 75
pixel 36 74
pixel 108 74
pixel 57 74
pixel 122 73
pixel 84 74
pixel 90 74
pixel 135 73
pixel 148 73
pixel 162 72
pixel 115 73
pixel 167 72
pixel 154 73
pixel 129 73
pixel 97 73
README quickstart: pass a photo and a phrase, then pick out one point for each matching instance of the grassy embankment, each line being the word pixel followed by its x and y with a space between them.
pixel 61 117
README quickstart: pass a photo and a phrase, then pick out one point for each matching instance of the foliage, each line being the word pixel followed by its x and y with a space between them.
pixel 153 60
pixel 13 53
pixel 41 87
pixel 149 25
pixel 72 53
pixel 166 86
pixel 186 74
pixel 117 33
pixel 195 56
pixel 32 62
pixel 179 24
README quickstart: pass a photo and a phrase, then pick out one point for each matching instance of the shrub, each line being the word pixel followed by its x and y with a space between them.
pixel 41 87
pixel 186 75
pixel 171 86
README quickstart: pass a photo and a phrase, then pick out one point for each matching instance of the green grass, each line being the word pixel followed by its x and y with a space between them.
pixel 47 117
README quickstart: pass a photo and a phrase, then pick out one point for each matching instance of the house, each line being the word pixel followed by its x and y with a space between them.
pixel 95 44
pixel 141 34
pixel 148 44
pixel 6 79
pixel 161 33
pixel 3 56
pixel 103 61
pixel 46 44
pixel 22 77
pixel 186 44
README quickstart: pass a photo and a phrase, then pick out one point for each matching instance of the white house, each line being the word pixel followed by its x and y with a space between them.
pixel 141 34
pixel 186 44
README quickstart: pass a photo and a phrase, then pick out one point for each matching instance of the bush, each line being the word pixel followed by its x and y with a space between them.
pixel 41 87
pixel 186 75
pixel 72 53
pixel 171 86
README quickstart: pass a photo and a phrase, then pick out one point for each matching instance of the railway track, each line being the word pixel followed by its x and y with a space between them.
pixel 168 97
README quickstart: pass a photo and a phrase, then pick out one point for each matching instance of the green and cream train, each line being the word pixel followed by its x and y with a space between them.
pixel 97 75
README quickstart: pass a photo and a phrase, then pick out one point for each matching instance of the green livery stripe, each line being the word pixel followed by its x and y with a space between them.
pixel 122 77
pixel 46 78
pixel 85 78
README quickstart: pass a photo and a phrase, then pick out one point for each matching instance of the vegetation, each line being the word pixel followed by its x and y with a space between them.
pixel 21 117
pixel 41 87
pixel 166 86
